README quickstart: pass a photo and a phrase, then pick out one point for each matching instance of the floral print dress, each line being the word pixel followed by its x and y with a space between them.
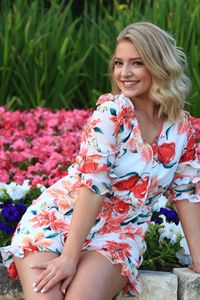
pixel 113 161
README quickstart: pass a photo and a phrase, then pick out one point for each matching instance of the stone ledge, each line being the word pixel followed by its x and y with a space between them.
pixel 188 284
pixel 9 289
pixel 156 286
pixel 182 284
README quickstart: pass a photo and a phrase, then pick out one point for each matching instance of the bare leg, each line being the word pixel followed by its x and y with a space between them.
pixel 28 275
pixel 96 279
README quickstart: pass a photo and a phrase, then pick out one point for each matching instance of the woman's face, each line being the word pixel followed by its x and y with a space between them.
pixel 130 74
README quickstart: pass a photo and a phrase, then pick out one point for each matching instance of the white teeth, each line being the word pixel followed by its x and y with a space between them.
pixel 129 83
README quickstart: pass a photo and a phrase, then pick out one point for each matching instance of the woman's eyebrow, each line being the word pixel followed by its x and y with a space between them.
pixel 131 58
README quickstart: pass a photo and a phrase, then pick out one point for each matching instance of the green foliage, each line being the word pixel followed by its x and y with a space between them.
pixel 49 57
pixel 5 239
pixel 38 54
pixel 160 255
pixel 32 194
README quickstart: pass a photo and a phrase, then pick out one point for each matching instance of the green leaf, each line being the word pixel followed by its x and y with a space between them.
pixel 129 174
pixel 97 129
pixel 95 188
pixel 113 112
pixel 168 166
pixel 168 130
pixel 52 235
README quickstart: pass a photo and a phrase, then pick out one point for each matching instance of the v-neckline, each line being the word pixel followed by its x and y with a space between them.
pixel 139 130
pixel 155 138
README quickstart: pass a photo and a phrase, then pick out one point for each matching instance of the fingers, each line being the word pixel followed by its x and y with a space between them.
pixel 37 284
pixel 52 273
pixel 45 282
pixel 65 284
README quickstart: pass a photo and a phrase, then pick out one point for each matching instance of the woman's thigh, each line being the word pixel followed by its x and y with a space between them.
pixel 27 276
pixel 96 278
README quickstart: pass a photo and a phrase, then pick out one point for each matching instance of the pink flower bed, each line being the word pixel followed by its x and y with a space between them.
pixel 40 144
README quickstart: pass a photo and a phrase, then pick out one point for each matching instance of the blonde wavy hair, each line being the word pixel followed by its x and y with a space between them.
pixel 165 61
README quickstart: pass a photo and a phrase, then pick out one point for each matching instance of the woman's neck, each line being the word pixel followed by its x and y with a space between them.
pixel 146 108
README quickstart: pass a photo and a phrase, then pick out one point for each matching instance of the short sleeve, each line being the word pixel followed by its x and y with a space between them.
pixel 97 151
pixel 186 182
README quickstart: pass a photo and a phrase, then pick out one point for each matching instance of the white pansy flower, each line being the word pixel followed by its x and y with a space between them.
pixel 184 245
pixel 16 191
pixel 41 187
pixel 161 202
pixel 170 231
pixel 183 254
pixel 2 189
pixel 183 259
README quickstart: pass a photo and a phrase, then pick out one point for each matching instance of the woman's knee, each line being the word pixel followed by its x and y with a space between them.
pixel 96 279
pixel 28 275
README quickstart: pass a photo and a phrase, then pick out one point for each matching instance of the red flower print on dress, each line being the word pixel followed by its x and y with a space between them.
pixel 170 195
pixel 166 152
pixel 121 207
pixel 130 232
pixel 104 98
pixel 12 271
pixel 32 248
pixel 140 189
pixel 63 205
pixel 31 244
pixel 189 153
pixel 48 219
pixel 112 224
pixel 183 124
pixel 91 167
pixel 145 151
pixel 89 129
pixel 126 184
pixel 114 205
pixel 57 193
pixel 118 250
pixel 124 117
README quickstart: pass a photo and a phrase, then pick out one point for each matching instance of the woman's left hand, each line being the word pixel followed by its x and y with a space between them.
pixel 57 270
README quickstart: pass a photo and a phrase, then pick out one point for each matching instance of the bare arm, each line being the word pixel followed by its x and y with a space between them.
pixel 63 268
pixel 97 149
pixel 189 214
pixel 87 206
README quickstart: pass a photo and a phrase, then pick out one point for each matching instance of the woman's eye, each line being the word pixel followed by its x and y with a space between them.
pixel 138 63
pixel 117 63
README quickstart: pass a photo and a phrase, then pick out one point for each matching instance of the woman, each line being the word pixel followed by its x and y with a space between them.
pixel 83 238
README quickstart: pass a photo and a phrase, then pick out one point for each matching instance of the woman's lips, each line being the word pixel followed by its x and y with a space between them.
pixel 130 83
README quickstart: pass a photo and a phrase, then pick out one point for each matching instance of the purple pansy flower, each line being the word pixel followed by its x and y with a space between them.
pixel 6 228
pixel 13 213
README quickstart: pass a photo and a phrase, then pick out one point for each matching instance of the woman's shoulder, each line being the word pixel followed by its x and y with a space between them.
pixel 107 97
pixel 118 101
pixel 185 122
pixel 185 117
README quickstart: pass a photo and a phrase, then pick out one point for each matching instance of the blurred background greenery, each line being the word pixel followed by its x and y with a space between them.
pixel 56 53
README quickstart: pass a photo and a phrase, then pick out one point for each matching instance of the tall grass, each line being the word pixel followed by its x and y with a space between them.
pixel 39 56
pixel 49 57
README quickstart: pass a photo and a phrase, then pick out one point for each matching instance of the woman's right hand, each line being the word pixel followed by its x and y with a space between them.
pixel 60 269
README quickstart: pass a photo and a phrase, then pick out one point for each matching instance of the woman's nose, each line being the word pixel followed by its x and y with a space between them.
pixel 126 71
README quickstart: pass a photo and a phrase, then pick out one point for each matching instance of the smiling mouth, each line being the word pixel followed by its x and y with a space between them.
pixel 130 84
